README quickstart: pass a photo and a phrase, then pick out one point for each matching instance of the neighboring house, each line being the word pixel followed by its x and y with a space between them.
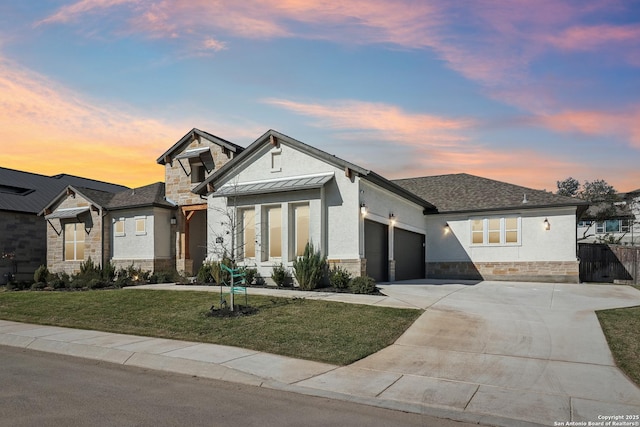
pixel 23 242
pixel 130 227
pixel 612 222
pixel 492 230
pixel 187 163
pixel 280 193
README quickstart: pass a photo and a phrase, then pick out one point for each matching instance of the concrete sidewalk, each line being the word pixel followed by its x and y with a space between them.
pixel 492 353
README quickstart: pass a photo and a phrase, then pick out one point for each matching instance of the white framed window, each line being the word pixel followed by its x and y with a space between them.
pixel 274 232
pixel 118 227
pixel 613 226
pixel 247 234
pixel 141 225
pixel 496 231
pixel 74 241
pixel 300 228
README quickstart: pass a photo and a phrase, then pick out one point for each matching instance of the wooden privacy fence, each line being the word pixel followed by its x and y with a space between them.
pixel 609 263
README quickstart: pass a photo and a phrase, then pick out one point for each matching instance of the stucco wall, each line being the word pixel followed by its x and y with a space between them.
pixel 541 255
pixel 333 210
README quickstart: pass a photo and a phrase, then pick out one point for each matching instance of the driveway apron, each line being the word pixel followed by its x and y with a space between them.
pixel 523 351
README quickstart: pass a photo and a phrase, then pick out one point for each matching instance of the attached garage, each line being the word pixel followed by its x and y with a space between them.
pixel 376 250
pixel 408 253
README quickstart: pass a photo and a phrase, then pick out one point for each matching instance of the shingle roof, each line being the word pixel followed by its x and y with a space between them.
pixel 149 195
pixel 463 192
pixel 29 192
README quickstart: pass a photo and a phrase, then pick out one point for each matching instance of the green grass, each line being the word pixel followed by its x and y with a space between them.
pixel 620 327
pixel 328 332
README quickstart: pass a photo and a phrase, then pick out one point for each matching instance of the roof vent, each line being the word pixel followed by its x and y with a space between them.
pixel 524 200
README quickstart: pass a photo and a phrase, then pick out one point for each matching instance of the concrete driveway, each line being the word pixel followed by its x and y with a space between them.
pixel 521 351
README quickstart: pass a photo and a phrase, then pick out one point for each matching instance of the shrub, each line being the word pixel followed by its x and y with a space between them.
pixel 279 274
pixel 309 268
pixel 250 274
pixel 205 273
pixel 164 277
pixel 339 278
pixel 37 286
pixel 41 274
pixel 96 284
pixel 109 272
pixel 362 285
pixel 59 281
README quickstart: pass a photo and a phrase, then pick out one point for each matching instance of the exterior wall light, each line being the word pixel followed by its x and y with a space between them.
pixel 173 220
pixel 447 229
pixel 392 218
pixel 363 209
pixel 547 224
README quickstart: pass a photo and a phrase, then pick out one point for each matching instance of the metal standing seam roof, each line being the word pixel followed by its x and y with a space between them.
pixel 273 186
pixel 203 153
pixel 67 213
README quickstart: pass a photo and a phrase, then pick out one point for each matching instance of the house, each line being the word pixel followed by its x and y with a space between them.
pixel 190 161
pixel 130 227
pixel 23 233
pixel 612 222
pixel 492 230
pixel 279 193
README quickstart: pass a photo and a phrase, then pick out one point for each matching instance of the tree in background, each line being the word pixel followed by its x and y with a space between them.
pixel 568 187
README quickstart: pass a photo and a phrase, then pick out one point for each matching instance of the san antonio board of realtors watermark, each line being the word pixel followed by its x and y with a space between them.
pixel 604 421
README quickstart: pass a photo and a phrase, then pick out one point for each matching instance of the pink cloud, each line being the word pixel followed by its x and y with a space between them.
pixel 383 119
pixel 626 124
pixel 595 37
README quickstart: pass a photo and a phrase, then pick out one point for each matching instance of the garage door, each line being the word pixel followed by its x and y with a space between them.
pixel 408 252
pixel 376 250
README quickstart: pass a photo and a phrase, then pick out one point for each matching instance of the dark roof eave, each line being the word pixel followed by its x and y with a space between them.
pixel 143 205
pixel 222 142
pixel 528 206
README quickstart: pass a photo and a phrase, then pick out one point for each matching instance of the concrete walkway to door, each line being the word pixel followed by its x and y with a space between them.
pixel 521 351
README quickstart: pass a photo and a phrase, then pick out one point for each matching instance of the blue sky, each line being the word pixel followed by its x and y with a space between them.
pixel 528 92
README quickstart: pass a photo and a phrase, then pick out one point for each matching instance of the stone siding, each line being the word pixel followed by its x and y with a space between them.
pixel 24 235
pixel 533 271
pixel 93 245
pixel 179 185
pixel 356 267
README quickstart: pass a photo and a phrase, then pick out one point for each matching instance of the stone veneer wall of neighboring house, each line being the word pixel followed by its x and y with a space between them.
pixel 93 246
pixel 23 234
pixel 534 271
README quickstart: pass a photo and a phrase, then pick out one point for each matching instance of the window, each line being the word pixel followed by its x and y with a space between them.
pixel 495 231
pixel 300 228
pixel 197 173
pixel 477 231
pixel 74 242
pixel 118 227
pixel 141 225
pixel 585 223
pixel 248 233
pixel 274 232
pixel 613 226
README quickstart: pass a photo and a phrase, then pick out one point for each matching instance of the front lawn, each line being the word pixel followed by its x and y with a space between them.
pixel 621 326
pixel 330 332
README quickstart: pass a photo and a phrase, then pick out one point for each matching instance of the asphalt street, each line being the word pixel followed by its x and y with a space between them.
pixel 43 389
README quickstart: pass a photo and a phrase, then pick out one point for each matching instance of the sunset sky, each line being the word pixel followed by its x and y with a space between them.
pixel 528 92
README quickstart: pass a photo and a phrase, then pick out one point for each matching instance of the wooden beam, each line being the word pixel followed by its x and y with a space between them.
pixel 273 141
pixel 347 172
pixel 211 188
